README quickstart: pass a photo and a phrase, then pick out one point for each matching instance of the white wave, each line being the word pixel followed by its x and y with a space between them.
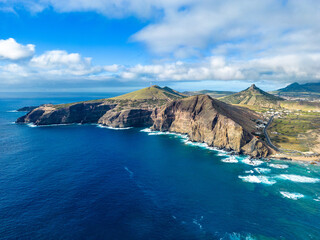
pixel 112 128
pixel 146 130
pixel 262 170
pixel 317 199
pixel 153 133
pixel 298 178
pixel 31 125
pixel 250 171
pixel 196 144
pixel 257 179
pixel 231 159
pixel 12 111
pixel 280 166
pixel 294 196
pixel 252 162
pixel 220 154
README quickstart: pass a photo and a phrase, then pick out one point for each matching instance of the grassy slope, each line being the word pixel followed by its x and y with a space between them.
pixel 153 92
pixel 293 129
pixel 153 96
pixel 252 96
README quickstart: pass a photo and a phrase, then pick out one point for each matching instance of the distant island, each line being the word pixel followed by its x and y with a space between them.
pixel 239 122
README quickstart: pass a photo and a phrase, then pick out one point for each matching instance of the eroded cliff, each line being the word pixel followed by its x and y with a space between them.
pixel 204 119
pixel 211 121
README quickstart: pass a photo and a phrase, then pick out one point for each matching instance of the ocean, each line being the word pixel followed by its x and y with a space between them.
pixel 92 182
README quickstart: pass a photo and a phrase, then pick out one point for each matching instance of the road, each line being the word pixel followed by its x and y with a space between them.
pixel 267 136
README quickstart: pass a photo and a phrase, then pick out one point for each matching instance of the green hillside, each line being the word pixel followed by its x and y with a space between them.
pixel 307 91
pixel 151 93
pixel 253 96
pixel 214 94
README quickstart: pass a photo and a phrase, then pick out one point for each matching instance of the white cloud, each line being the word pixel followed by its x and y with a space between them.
pixel 53 65
pixel 185 28
pixel 211 69
pixel 10 49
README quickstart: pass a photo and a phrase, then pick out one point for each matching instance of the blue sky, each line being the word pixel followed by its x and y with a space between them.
pixel 121 45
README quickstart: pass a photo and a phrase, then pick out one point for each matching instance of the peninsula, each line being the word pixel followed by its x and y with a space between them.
pixel 201 117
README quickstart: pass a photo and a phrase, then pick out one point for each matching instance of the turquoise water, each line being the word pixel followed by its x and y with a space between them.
pixel 89 182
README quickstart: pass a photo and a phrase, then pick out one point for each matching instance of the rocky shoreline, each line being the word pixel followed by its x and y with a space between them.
pixel 202 118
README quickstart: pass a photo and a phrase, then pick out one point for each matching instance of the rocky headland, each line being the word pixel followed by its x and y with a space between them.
pixel 201 117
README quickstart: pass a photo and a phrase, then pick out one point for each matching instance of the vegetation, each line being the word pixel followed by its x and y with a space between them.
pixel 253 96
pixel 291 131
pixel 153 92
pixel 308 91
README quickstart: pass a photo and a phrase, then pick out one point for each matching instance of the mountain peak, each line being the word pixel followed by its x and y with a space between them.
pixel 153 92
pixel 253 86
pixel 253 96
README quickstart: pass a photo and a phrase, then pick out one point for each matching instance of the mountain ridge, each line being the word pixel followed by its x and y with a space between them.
pixel 253 96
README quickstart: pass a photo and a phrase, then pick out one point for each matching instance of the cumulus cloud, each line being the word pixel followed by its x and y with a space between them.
pixel 54 65
pixel 10 49
pixel 286 68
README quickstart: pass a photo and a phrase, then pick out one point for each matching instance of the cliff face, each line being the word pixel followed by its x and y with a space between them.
pixel 76 113
pixel 213 122
pixel 127 118
pixel 201 117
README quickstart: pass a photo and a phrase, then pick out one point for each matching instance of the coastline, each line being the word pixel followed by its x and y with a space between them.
pixel 314 160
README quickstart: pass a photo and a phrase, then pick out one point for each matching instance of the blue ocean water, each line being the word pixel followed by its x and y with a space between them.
pixel 88 182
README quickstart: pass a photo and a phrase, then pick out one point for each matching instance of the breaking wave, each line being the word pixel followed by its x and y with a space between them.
pixel 294 196
pixel 298 178
pixel 257 179
pixel 252 162
pixel 262 170
pixel 113 128
pixel 280 166
pixel 231 159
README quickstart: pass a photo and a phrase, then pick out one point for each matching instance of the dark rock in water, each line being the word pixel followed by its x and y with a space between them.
pixel 27 109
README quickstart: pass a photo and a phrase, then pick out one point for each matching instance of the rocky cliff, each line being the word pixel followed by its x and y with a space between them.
pixel 75 113
pixel 204 119
pixel 213 122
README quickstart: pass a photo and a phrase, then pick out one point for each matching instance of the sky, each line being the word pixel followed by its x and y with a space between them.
pixel 123 45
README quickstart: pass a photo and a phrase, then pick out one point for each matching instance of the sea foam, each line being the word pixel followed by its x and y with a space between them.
pixel 280 166
pixel 231 159
pixel 257 179
pixel 294 196
pixel 262 170
pixel 252 162
pixel 298 178
pixel 113 128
